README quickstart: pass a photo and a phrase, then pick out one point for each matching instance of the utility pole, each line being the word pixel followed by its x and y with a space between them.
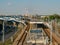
pixel 3 33
pixel 35 39
pixel 51 34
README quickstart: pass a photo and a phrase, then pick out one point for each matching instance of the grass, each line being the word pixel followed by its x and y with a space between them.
pixel 7 42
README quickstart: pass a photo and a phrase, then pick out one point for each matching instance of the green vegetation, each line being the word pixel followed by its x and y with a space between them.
pixel 7 42
pixel 52 17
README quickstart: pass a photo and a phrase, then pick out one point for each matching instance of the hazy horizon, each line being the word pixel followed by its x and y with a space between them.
pixel 41 7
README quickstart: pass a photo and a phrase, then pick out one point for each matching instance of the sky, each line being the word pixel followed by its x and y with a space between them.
pixel 42 7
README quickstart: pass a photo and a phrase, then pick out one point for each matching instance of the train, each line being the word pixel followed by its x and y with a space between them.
pixel 9 25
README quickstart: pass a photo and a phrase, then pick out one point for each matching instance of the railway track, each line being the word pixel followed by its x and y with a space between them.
pixel 55 38
pixel 21 37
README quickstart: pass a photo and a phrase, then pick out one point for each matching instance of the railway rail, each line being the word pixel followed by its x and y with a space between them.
pixel 21 38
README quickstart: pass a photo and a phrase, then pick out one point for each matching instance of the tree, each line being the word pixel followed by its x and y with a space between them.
pixel 55 17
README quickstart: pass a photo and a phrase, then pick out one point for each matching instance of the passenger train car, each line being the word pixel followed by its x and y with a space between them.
pixel 9 25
